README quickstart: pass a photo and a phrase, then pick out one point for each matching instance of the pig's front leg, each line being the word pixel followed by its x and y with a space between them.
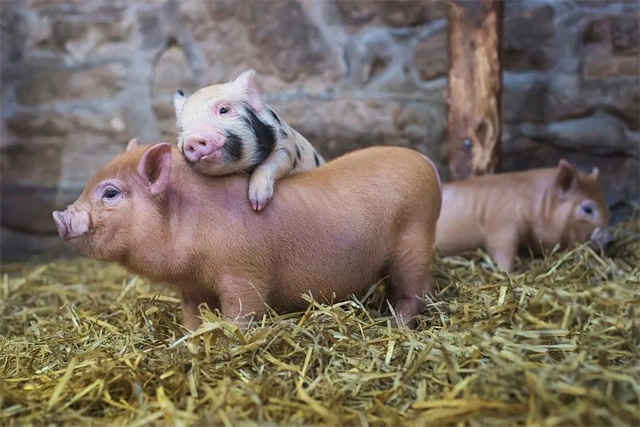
pixel 241 299
pixel 274 167
pixel 502 246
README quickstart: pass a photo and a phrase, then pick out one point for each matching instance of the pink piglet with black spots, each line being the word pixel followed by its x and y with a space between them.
pixel 228 128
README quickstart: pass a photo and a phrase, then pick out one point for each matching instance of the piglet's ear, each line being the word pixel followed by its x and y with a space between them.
pixel 567 176
pixel 246 81
pixel 595 173
pixel 155 166
pixel 133 143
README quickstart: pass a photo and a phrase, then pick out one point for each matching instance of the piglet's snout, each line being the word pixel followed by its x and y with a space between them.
pixel 600 238
pixel 202 146
pixel 71 223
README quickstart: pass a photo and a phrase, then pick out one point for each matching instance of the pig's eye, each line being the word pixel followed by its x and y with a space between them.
pixel 224 110
pixel 587 210
pixel 110 194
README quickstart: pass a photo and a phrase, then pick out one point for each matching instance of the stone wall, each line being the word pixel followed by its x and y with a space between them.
pixel 79 78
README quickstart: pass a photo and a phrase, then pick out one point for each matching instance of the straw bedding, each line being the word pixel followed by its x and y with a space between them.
pixel 557 343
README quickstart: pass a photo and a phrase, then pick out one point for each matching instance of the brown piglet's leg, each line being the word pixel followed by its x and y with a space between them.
pixel 502 246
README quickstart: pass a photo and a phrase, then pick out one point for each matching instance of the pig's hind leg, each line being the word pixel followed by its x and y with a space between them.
pixel 410 275
pixel 190 308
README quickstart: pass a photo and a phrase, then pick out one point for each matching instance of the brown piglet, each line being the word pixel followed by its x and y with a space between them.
pixel 540 208
pixel 331 232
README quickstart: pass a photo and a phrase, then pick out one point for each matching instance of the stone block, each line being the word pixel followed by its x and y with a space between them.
pixel 275 37
pixel 599 133
pixel 431 56
pixel 17 246
pixel 403 13
pixel 611 46
pixel 339 126
pixel 172 72
pixel 47 85
pixel 32 164
pixel 28 208
pixel 528 37
pixel 55 123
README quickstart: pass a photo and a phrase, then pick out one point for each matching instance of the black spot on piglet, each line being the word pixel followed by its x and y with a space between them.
pixel 315 156
pixel 234 147
pixel 298 152
pixel 265 135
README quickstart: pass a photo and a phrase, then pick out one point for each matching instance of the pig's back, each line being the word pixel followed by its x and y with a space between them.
pixel 394 181
pixel 336 225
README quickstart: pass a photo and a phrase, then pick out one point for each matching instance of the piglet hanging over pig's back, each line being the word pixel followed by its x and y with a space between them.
pixel 331 232
pixel 228 128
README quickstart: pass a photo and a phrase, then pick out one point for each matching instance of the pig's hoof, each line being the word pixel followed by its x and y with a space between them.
pixel 259 198
pixel 259 204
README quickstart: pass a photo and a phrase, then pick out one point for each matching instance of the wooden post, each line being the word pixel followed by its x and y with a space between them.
pixel 473 146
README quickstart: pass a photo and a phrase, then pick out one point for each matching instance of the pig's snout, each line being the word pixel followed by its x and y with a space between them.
pixel 204 147
pixel 600 238
pixel 71 223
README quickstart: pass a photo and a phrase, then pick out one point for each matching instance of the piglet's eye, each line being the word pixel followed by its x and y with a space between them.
pixel 224 110
pixel 110 194
pixel 587 210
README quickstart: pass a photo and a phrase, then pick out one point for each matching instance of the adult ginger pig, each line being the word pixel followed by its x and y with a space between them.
pixel 227 128
pixel 332 232
pixel 504 212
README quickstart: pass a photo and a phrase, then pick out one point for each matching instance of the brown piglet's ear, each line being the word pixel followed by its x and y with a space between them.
pixel 155 166
pixel 133 143
pixel 595 173
pixel 566 177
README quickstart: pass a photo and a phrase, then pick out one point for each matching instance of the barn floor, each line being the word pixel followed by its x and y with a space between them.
pixel 84 343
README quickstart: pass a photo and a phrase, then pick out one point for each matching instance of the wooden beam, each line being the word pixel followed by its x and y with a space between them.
pixel 473 146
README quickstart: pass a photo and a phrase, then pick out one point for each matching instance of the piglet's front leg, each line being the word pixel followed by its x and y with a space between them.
pixel 263 179
pixel 502 246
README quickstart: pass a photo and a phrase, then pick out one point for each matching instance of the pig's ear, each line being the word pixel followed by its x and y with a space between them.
pixel 178 102
pixel 595 173
pixel 155 166
pixel 567 176
pixel 133 143
pixel 246 81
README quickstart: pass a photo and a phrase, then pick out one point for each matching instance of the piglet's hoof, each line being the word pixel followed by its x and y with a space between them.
pixel 259 198
pixel 260 204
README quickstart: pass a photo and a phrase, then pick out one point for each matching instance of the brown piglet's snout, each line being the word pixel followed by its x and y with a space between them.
pixel 601 238
pixel 71 223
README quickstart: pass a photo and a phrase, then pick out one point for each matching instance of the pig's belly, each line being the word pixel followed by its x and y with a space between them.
pixel 454 236
pixel 328 269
